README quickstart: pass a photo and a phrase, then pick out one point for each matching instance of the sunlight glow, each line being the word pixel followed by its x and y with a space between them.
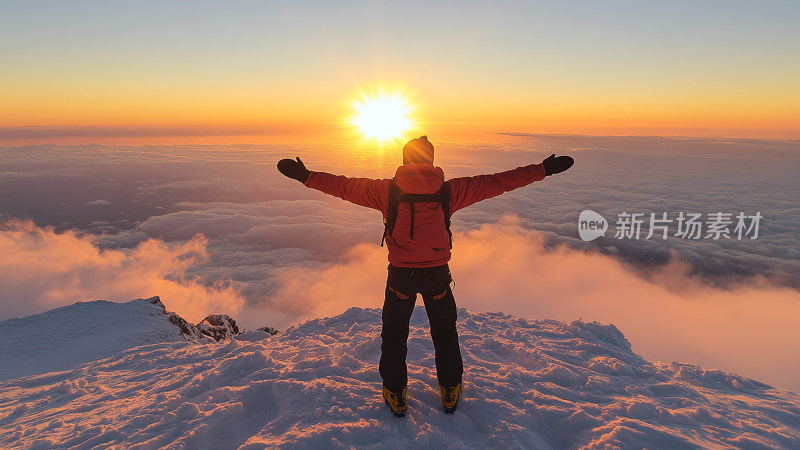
pixel 382 117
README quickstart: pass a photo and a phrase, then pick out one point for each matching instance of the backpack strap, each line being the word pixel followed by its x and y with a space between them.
pixel 391 210
pixel 442 196
pixel 420 198
pixel 444 201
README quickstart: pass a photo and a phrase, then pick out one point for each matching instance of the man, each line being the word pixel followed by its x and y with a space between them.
pixel 416 205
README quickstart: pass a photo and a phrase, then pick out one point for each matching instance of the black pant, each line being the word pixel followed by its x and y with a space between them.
pixel 402 286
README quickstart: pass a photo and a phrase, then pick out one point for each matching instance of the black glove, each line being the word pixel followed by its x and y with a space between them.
pixel 553 164
pixel 294 169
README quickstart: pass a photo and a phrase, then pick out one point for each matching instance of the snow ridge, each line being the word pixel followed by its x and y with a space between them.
pixel 64 337
pixel 541 384
pixel 61 338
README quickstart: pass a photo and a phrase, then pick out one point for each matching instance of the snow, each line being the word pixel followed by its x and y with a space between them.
pixel 528 384
pixel 64 337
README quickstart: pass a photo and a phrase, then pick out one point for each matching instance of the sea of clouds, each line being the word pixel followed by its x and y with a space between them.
pixel 218 229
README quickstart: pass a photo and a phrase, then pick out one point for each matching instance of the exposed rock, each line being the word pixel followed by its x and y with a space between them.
pixel 218 327
pixel 188 330
pixel 214 326
pixel 269 330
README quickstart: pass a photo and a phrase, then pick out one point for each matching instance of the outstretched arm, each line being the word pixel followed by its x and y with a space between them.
pixel 361 191
pixel 465 191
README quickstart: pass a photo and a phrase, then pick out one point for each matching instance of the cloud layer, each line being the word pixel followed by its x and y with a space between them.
pixel 234 195
pixel 41 270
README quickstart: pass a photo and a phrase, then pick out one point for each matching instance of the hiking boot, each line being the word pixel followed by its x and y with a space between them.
pixel 396 401
pixel 450 397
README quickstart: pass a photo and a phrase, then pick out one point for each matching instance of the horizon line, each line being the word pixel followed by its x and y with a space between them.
pixel 52 134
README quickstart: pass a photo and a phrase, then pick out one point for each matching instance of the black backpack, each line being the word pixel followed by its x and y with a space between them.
pixel 442 196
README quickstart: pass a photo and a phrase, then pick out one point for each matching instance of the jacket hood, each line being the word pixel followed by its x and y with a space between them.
pixel 419 178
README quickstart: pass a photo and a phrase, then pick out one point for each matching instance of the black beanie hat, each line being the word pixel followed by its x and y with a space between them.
pixel 418 151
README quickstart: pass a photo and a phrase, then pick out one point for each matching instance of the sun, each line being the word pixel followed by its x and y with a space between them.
pixel 382 117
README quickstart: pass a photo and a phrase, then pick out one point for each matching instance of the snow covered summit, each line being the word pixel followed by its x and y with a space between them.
pixel 62 338
pixel 528 384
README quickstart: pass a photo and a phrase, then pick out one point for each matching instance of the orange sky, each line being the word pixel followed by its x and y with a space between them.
pixel 261 72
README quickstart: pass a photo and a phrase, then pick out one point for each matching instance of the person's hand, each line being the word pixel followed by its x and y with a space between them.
pixel 553 164
pixel 294 169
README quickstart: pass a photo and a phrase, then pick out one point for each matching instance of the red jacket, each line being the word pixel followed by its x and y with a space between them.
pixel 431 244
